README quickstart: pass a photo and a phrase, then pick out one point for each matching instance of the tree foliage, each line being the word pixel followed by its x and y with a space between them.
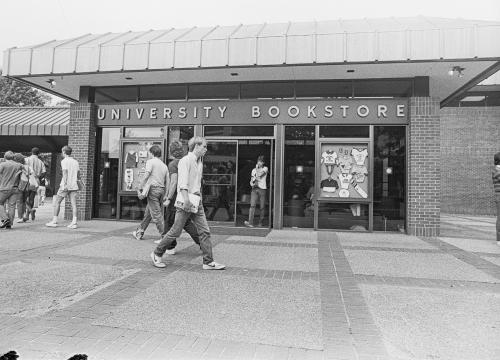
pixel 15 93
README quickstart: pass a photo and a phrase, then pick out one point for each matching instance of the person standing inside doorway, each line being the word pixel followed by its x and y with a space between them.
pixel 155 184
pixel 190 171
pixel 68 187
pixel 496 186
pixel 259 188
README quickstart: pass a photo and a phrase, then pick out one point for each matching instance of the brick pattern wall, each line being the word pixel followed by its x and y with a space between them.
pixel 470 136
pixel 424 177
pixel 82 139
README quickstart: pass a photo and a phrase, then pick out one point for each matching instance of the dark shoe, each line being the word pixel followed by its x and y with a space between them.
pixel 33 214
pixel 5 224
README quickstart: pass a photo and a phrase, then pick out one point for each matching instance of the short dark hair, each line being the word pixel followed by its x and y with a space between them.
pixel 155 150
pixel 497 158
pixel 67 150
pixel 261 159
pixel 35 151
pixel 18 157
pixel 176 149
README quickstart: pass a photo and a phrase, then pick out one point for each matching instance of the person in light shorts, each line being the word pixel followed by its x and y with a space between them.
pixel 68 187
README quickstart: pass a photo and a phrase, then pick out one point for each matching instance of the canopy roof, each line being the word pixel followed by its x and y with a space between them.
pixel 34 121
pixel 301 50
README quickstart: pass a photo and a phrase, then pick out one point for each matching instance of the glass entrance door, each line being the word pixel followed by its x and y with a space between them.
pixel 219 181
pixel 227 193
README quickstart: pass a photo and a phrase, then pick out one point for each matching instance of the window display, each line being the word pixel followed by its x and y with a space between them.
pixel 134 157
pixel 344 171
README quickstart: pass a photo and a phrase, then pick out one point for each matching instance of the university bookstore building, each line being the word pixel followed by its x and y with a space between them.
pixel 345 114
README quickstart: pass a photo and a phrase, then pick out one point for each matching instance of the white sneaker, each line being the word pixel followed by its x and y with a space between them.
pixel 157 261
pixel 157 241
pixel 213 266
pixel 51 224
pixel 72 226
pixel 170 252
pixel 137 234
pixel 21 220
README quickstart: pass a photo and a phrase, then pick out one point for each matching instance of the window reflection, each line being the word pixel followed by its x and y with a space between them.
pixel 299 198
pixel 107 173
pixel 389 195
pixel 343 216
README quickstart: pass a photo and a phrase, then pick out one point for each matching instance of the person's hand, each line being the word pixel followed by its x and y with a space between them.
pixel 166 202
pixel 187 205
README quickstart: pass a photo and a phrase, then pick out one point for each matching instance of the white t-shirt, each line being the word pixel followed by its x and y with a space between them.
pixel 260 177
pixel 71 165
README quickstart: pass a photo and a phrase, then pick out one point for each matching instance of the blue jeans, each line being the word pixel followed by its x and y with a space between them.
pixel 257 194
pixel 8 197
pixel 154 209
pixel 200 223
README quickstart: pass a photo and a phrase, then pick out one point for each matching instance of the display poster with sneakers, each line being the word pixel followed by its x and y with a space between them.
pixel 344 170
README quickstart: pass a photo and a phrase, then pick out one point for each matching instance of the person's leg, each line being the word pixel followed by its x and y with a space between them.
pixel 21 206
pixel 12 205
pixel 253 202
pixel 200 222
pixel 175 231
pixel 56 203
pixel 72 198
pixel 169 222
pixel 4 197
pixel 146 220
pixel 498 216
pixel 192 231
pixel 155 196
pixel 43 192
pixel 262 207
pixel 30 204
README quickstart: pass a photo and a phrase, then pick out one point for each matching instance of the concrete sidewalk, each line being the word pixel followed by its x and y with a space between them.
pixel 286 295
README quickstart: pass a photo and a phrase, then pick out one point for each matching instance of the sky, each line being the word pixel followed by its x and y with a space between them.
pixel 30 22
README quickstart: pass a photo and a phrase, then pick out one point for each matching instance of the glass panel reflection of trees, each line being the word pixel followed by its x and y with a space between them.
pixel 298 200
pixel 389 189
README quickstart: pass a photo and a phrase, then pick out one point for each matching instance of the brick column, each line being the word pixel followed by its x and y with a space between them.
pixel 82 139
pixel 424 169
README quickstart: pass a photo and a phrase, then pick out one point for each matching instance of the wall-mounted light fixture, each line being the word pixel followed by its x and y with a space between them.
pixel 51 82
pixel 456 70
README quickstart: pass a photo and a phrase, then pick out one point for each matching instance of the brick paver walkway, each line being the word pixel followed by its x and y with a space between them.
pixel 349 325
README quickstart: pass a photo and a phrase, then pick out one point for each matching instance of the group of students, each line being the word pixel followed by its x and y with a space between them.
pixel 21 180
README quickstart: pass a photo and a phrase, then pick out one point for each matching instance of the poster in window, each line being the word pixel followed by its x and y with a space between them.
pixel 134 157
pixel 344 171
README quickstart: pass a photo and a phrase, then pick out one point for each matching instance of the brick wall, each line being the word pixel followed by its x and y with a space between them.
pixel 82 138
pixel 424 178
pixel 470 136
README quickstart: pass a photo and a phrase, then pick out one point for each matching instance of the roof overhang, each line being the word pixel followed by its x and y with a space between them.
pixel 373 48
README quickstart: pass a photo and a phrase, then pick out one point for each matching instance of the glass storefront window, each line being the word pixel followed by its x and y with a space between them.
pixel 132 208
pixel 134 157
pixel 344 131
pixel 240 131
pixel 106 185
pixel 299 173
pixel 181 133
pixel 344 172
pixel 343 216
pixel 141 132
pixel 389 178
